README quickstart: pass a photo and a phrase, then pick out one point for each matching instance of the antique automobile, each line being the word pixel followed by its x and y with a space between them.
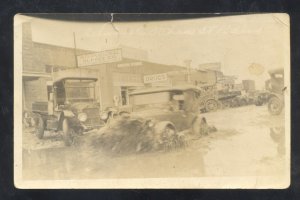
pixel 72 108
pixel 158 117
pixel 275 86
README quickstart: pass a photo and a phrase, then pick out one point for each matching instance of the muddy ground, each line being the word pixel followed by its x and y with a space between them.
pixel 249 142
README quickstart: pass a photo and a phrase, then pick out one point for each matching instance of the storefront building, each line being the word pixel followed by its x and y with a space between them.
pixel 119 71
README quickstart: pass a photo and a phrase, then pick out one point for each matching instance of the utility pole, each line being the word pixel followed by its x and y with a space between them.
pixel 75 50
pixel 188 67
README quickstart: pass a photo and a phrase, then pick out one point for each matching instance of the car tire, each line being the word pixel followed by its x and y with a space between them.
pixel 170 139
pixel 40 127
pixel 67 132
pixel 211 105
pixel 199 126
pixel 165 136
pixel 275 106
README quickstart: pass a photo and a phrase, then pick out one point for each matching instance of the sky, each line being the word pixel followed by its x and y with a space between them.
pixel 237 42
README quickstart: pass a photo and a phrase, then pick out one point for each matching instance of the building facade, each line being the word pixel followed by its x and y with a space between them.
pixel 119 71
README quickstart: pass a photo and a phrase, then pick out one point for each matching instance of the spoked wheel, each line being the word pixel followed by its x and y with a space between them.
pixel 68 132
pixel 275 106
pixel 40 127
pixel 169 138
pixel 211 105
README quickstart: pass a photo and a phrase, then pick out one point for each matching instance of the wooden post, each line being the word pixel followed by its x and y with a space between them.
pixel 75 50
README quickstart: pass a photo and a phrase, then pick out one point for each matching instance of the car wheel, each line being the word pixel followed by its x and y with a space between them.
pixel 40 127
pixel 68 132
pixel 211 105
pixel 199 126
pixel 169 138
pixel 275 106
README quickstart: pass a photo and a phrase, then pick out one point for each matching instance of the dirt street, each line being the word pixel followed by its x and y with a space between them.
pixel 249 142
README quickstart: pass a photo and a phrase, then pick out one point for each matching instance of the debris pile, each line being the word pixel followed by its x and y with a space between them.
pixel 127 136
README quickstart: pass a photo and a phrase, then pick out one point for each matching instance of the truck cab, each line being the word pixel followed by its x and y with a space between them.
pixel 72 106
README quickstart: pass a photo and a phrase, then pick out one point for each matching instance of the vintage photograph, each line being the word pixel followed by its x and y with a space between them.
pixel 191 102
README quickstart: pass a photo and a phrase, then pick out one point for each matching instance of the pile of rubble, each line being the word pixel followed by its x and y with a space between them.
pixel 136 136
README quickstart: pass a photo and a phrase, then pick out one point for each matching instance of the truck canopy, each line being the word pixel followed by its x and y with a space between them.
pixel 75 73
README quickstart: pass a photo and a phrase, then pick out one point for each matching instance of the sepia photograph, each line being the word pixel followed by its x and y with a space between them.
pixel 197 101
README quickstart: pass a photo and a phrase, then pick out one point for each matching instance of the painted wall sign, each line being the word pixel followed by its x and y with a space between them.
pixel 102 57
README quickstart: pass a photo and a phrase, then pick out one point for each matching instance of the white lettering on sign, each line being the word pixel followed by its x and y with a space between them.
pixel 155 78
pixel 103 57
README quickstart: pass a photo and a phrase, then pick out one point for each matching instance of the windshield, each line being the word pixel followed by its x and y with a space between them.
pixel 80 90
pixel 150 100
pixel 158 100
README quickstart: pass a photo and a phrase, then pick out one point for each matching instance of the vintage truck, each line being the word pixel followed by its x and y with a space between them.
pixel 275 86
pixel 71 108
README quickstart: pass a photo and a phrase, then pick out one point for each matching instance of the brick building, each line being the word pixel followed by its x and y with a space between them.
pixel 38 61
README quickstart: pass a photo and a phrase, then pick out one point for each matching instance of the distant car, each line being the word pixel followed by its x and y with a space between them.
pixel 159 114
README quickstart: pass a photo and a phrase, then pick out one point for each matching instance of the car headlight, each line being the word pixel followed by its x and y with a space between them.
pixel 104 116
pixel 82 117
pixel 68 113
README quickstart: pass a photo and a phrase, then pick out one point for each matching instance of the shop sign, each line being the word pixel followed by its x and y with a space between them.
pixel 102 57
pixel 155 78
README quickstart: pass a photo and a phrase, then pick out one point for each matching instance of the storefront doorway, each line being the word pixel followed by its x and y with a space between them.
pixel 124 96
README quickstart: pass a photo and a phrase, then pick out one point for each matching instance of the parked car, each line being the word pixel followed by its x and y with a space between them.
pixel 157 118
pixel 72 107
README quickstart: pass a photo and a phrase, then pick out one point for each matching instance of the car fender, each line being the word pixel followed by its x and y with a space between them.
pixel 159 126
pixel 280 96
